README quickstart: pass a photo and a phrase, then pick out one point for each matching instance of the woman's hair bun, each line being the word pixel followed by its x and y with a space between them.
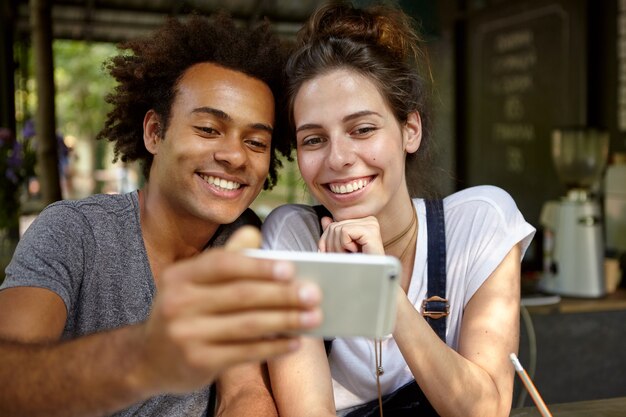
pixel 382 26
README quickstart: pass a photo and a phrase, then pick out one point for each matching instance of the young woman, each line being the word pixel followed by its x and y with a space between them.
pixel 359 114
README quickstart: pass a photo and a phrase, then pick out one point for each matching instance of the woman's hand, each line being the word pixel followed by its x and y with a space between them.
pixel 353 235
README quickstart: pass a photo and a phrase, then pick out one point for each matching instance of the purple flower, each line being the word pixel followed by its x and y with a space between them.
pixel 29 129
pixel 15 157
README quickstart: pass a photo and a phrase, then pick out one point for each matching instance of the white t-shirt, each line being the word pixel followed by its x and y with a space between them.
pixel 482 226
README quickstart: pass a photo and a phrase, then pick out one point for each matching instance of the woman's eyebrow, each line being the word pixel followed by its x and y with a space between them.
pixel 360 114
pixel 309 126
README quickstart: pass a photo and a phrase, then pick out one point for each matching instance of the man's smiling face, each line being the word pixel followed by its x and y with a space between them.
pixel 213 160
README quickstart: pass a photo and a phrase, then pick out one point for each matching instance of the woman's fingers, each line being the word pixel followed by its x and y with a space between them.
pixel 354 235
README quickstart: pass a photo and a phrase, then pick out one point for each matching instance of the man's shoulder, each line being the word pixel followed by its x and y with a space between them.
pixel 107 202
pixel 97 204
pixel 94 210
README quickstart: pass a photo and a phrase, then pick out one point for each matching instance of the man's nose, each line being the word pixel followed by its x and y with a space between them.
pixel 231 152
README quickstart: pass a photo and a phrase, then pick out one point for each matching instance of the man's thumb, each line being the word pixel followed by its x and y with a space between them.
pixel 246 237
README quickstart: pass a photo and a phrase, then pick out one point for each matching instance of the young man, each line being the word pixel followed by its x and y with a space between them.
pixel 111 304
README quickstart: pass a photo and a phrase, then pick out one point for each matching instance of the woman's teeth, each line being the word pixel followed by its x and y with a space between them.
pixel 349 187
pixel 221 182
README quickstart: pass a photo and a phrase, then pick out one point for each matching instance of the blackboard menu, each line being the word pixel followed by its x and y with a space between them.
pixel 621 66
pixel 525 76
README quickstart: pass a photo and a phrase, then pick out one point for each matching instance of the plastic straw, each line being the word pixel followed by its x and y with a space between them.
pixel 530 387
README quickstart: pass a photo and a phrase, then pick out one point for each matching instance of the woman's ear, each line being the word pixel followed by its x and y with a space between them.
pixel 412 132
pixel 152 132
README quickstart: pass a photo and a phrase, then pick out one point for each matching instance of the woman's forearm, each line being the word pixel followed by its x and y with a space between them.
pixel 301 382
pixel 453 385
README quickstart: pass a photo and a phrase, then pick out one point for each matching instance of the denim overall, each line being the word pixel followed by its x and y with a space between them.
pixel 409 400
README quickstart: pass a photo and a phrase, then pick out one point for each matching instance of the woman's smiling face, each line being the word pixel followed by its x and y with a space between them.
pixel 351 149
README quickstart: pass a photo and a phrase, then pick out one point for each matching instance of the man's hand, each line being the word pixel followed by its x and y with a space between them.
pixel 220 309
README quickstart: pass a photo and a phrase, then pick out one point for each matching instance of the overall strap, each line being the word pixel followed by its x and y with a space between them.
pixel 435 307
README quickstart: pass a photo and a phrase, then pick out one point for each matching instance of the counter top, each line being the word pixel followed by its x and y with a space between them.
pixel 610 302
pixel 614 301
pixel 611 407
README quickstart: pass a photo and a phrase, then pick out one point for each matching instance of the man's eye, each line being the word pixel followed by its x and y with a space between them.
pixel 207 130
pixel 257 144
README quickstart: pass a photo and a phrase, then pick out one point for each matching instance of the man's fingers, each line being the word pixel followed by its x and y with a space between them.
pixel 248 326
pixel 238 296
pixel 246 237
pixel 249 295
pixel 219 265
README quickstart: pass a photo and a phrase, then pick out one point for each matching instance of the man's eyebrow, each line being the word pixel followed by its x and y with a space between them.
pixel 262 126
pixel 215 112
pixel 224 116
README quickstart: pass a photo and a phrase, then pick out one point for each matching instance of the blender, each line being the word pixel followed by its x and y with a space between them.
pixel 573 258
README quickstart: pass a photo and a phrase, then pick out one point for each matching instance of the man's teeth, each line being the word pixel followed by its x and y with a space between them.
pixel 222 183
pixel 349 187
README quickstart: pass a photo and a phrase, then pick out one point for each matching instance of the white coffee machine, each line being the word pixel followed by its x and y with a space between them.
pixel 573 262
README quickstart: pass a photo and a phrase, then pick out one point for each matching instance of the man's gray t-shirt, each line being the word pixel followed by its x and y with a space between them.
pixel 91 253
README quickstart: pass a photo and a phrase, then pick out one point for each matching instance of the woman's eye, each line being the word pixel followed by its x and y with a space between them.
pixel 361 131
pixel 312 140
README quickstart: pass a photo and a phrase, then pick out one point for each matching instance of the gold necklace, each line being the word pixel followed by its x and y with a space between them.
pixel 411 240
pixel 402 233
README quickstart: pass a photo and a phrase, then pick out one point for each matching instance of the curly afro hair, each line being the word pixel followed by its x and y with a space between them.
pixel 147 78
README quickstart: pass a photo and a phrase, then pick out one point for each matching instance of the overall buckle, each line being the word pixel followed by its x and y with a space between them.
pixel 434 310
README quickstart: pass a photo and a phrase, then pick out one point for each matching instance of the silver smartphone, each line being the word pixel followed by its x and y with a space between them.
pixel 358 291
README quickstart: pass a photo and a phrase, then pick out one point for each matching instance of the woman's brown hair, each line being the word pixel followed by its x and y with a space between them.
pixel 380 43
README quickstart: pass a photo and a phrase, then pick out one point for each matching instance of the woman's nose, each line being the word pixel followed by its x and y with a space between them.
pixel 341 153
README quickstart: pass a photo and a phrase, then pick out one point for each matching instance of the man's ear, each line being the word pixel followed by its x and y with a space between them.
pixel 152 132
pixel 412 132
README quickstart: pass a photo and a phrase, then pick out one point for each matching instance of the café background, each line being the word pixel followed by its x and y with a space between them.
pixel 506 74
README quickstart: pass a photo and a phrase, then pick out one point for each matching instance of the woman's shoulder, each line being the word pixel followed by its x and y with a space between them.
pixel 291 226
pixel 487 196
pixel 290 211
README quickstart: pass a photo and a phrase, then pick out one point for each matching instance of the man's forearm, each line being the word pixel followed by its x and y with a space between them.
pixel 89 376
